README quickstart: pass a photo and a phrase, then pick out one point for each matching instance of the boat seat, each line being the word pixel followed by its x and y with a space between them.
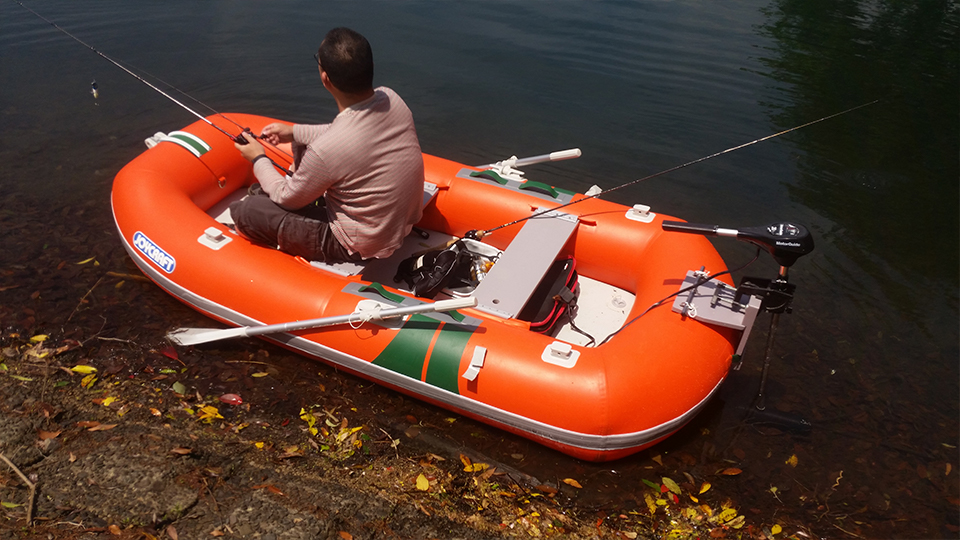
pixel 509 284
pixel 356 268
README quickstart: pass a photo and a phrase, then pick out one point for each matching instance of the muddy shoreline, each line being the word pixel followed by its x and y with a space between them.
pixel 153 444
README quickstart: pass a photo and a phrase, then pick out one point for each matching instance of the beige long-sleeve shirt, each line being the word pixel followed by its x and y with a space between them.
pixel 368 166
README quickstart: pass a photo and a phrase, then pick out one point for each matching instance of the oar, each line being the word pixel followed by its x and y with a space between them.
pixel 195 336
pixel 543 158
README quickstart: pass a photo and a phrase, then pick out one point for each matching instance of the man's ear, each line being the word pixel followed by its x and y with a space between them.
pixel 325 80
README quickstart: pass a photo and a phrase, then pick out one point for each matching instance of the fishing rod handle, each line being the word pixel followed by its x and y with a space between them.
pixel 699 228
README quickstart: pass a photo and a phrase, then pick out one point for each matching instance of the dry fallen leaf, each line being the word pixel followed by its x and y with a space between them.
pixel 172 532
pixel 792 461
pixel 572 482
pixel 114 530
pixel 658 459
pixel 102 427
pixel 732 471
pixel 269 487
pixel 345 535
pixel 422 483
pixel 44 435
pixel 183 451
pixel 704 488
pixel 83 369
pixel 671 485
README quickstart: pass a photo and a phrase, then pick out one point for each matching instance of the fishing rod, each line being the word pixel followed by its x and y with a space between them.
pixel 235 138
pixel 478 234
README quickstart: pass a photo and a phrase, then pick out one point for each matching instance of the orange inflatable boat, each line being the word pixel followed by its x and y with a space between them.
pixel 649 342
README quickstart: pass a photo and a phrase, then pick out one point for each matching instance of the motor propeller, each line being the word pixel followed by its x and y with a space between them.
pixel 784 240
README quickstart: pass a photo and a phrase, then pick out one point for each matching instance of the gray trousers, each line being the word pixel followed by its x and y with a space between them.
pixel 305 232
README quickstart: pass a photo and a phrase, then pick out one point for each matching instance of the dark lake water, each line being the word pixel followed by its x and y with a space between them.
pixel 870 353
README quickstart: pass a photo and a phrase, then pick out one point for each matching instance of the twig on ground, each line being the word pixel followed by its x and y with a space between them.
pixel 247 362
pixel 31 485
pixel 128 276
pixel 80 303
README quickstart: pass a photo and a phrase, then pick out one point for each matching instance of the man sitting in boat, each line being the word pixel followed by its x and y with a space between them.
pixel 357 186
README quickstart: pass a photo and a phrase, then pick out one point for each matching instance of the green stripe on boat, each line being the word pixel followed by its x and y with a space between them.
pixel 378 288
pixel 443 371
pixel 191 142
pixel 408 350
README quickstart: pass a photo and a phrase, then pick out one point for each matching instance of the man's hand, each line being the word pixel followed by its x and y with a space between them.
pixel 250 150
pixel 277 133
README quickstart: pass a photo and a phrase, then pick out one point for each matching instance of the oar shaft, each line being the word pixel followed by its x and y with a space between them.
pixel 443 305
pixel 559 155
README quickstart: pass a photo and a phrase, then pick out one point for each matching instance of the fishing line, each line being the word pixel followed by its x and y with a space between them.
pixel 235 138
pixel 214 111
pixel 480 234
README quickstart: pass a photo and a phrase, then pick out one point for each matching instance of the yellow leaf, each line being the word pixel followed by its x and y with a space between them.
pixel 650 504
pixel 704 488
pixel 260 374
pixel 87 382
pixel 572 482
pixel 259 445
pixel 465 460
pixel 476 467
pixel 694 499
pixel 108 400
pixel 737 522
pixel 671 485
pixel 85 261
pixel 776 529
pixel 727 515
pixel 792 461
pixel 422 483
pixel 85 370
pixel 38 338
pixel 209 413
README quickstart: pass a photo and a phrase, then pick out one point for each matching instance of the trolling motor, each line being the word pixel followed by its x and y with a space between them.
pixel 786 242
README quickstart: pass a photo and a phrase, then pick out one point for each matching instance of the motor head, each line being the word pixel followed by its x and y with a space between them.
pixel 785 241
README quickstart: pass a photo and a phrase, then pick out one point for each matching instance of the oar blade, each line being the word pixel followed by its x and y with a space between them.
pixel 196 336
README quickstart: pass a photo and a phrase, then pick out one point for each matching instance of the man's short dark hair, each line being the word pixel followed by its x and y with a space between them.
pixel 347 58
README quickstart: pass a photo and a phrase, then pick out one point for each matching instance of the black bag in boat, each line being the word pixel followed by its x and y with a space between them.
pixel 429 273
pixel 555 297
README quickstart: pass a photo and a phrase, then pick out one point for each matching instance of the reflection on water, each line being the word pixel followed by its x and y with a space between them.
pixel 888 178
pixel 869 354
